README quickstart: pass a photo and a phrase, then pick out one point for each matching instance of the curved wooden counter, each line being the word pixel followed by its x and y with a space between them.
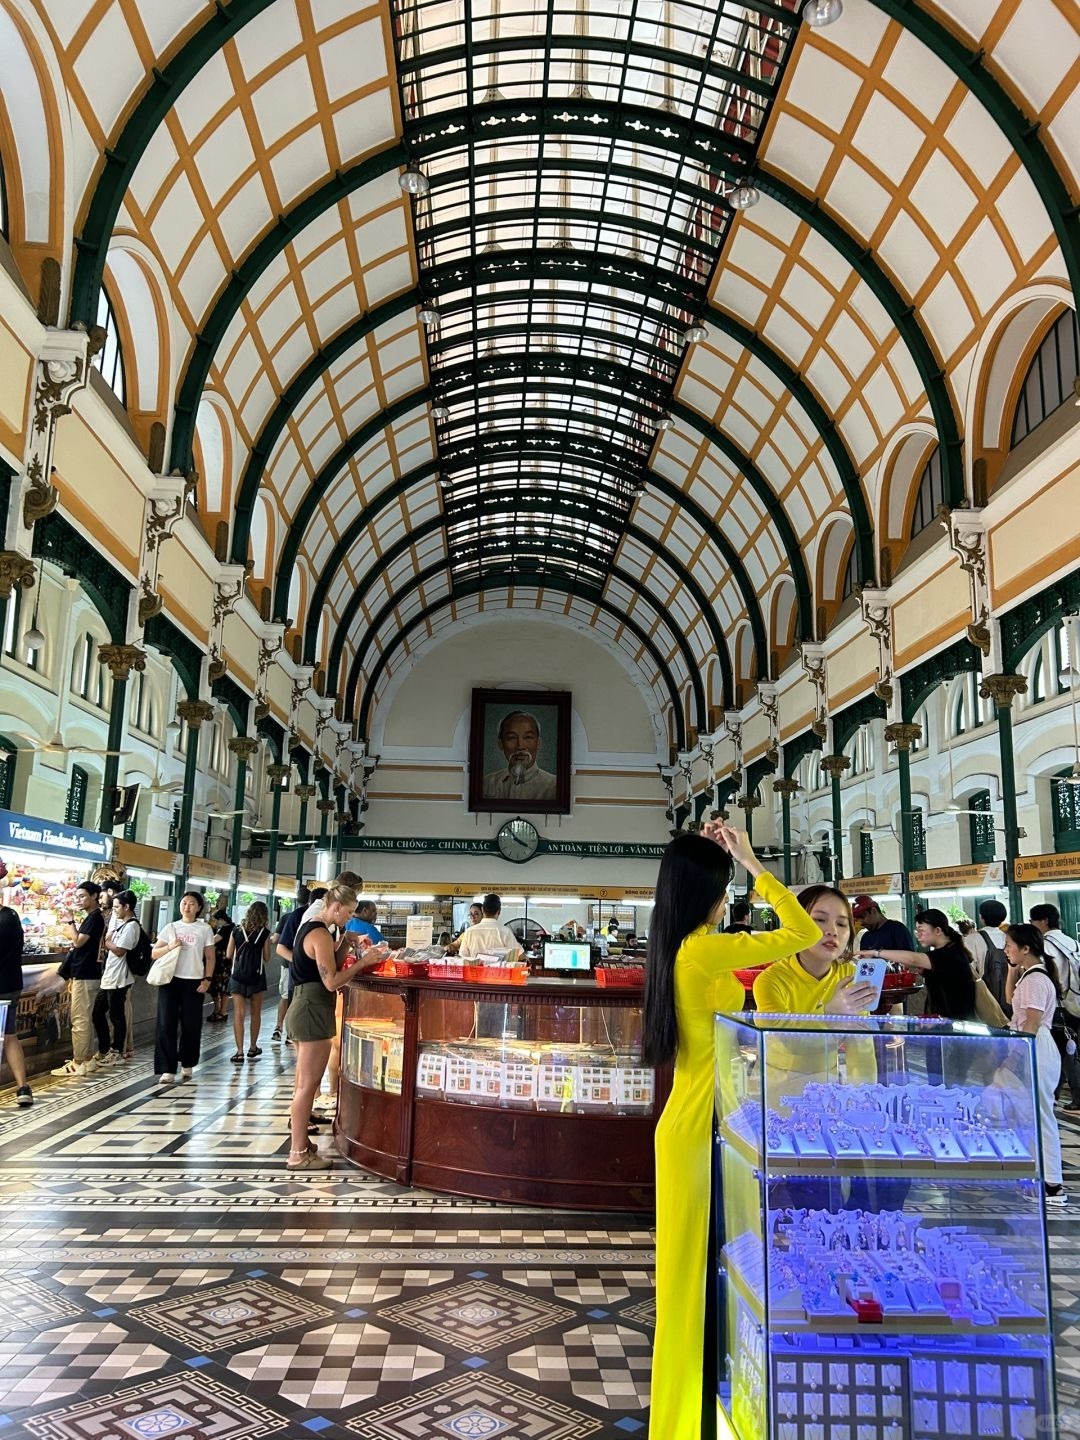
pixel 571 1155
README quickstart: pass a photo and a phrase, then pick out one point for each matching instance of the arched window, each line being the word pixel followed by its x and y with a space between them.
pixel 981 828
pixel 1065 806
pixel 1038 681
pixel 970 709
pixel 110 358
pixel 931 494
pixel 75 810
pixel 82 666
pixel 1051 376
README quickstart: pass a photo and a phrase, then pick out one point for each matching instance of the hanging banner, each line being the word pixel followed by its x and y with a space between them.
pixel 52 837
pixel 1046 869
pixel 959 877
pixel 583 849
pixel 873 884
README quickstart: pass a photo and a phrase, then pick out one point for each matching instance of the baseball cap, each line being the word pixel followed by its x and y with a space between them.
pixel 861 905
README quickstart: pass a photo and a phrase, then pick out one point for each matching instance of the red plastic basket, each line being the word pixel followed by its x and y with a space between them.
pixel 624 977
pixel 446 970
pixel 496 974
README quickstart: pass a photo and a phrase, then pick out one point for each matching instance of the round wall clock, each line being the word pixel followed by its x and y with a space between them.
pixel 518 841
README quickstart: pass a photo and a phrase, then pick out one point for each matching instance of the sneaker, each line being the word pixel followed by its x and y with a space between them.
pixel 166 1079
pixel 71 1068
pixel 310 1160
pixel 105 1062
pixel 129 1054
pixel 1057 1196
pixel 185 1072
pixel 275 1038
pixel 24 1096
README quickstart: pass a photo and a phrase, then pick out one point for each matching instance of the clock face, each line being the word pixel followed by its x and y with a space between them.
pixel 518 840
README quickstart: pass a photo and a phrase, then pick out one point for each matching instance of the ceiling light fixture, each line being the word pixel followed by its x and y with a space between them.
pixel 819 13
pixel 663 422
pixel 694 334
pixel 34 639
pixel 428 313
pixel 744 196
pixel 440 412
pixel 413 180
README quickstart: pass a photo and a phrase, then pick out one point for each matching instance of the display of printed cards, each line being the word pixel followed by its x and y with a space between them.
pixel 596 1086
pixel 392 1076
pixel 489 1079
pixel 431 1072
pixel 519 1083
pixel 461 1077
pixel 351 1057
pixel 634 1087
pixel 556 1087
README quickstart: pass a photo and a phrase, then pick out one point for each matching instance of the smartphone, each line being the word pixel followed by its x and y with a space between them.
pixel 871 972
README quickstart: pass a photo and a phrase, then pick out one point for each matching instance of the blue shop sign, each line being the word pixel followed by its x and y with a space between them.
pixel 53 837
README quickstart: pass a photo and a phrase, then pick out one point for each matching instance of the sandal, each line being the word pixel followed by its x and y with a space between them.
pixel 254 1053
pixel 238 1058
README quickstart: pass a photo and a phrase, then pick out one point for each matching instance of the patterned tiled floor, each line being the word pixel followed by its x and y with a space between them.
pixel 161 1274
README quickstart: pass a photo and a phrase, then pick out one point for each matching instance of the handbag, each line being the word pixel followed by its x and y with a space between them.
pixel 987 1008
pixel 163 969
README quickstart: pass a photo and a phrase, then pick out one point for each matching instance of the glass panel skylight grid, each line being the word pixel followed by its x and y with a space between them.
pixel 577 153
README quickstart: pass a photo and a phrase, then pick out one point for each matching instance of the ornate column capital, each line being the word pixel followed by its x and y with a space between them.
pixel 748 803
pixel 243 747
pixel 278 774
pixel 16 570
pixel 903 736
pixel 327 807
pixel 122 659
pixel 304 793
pixel 783 786
pixel 835 765
pixel 1003 689
pixel 194 712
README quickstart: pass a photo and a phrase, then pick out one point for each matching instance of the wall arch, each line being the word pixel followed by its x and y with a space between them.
pixel 141 298
pixel 901 468
pixel 832 551
pixel 215 439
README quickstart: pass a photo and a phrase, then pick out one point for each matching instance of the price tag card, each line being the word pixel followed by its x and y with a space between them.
pixel 418 932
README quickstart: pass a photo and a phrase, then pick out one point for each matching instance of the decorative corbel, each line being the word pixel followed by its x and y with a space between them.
pixel 62 370
pixel 769 699
pixel 271 639
pixel 228 592
pixel 966 530
pixel 877 617
pixel 733 731
pixel 812 659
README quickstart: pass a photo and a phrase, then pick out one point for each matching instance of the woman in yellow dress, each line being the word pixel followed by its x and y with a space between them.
pixel 688 979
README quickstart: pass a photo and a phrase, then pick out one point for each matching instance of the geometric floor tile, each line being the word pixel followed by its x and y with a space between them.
pixel 607 1288
pixel 607 1364
pixel 337 1365
pixel 229 1315
pixel 346 1286
pixel 194 1406
pixel 644 1314
pixel 127 1286
pixel 26 1306
pixel 58 1362
pixel 470 1407
pixel 476 1316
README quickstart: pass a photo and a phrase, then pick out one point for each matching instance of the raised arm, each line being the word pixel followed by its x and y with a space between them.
pixel 912 959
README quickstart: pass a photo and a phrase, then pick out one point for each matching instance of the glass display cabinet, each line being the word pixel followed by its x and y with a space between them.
pixel 532 1092
pixel 882 1257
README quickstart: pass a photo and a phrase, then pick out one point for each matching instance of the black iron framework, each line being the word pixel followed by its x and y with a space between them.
pixel 562 260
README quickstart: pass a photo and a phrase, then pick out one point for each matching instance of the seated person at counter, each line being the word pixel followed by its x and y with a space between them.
pixel 476 914
pixel 879 932
pixel 489 937
pixel 363 922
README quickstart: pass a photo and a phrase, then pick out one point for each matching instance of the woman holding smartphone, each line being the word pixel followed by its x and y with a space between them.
pixel 688 978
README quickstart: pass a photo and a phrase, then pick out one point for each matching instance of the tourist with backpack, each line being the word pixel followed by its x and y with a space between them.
pixel 1064 952
pixel 122 940
pixel 249 950
pixel 986 946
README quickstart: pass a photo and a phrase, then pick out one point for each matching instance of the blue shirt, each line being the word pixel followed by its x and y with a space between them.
pixel 363 927
pixel 891 935
pixel 289 926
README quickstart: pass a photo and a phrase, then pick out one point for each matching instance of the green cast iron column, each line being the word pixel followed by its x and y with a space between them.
pixel 1003 689
pixel 903 736
pixel 243 748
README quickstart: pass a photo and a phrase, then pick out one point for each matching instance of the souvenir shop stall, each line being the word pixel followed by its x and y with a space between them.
pixel 882 1253
pixel 476 1079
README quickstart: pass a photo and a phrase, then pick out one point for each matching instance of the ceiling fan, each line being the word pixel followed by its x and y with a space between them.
pixel 56 746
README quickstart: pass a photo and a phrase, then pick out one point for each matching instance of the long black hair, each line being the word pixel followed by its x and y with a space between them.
pixel 1029 937
pixel 694 875
pixel 12 936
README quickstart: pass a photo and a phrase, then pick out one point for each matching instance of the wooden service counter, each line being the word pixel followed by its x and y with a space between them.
pixel 531 1093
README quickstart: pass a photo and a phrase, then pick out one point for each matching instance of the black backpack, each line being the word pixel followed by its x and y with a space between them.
pixel 139 958
pixel 248 958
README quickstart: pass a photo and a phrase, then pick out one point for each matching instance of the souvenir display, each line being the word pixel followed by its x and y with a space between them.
pixel 43 896
pixel 882 1256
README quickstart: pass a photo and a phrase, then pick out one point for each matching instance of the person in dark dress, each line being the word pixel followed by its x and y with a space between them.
pixel 11 985
pixel 223 928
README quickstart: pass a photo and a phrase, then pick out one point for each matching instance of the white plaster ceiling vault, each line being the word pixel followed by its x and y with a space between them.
pixel 553 369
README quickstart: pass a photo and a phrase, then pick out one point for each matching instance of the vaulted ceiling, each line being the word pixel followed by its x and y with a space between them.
pixel 619 308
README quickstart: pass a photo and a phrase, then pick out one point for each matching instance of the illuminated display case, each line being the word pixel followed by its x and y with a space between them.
pixel 530 1092
pixel 882 1258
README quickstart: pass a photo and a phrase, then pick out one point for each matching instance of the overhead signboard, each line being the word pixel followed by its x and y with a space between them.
pixel 582 849
pixel 53 837
pixel 873 884
pixel 959 877
pixel 466 889
pixel 1046 869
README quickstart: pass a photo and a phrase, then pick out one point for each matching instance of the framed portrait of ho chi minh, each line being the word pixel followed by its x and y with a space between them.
pixel 519 752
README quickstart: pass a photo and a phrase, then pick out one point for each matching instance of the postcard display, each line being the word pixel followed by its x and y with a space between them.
pixel 466 1062
pixel 882 1257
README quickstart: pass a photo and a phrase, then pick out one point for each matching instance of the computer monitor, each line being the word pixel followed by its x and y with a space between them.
pixel 567 955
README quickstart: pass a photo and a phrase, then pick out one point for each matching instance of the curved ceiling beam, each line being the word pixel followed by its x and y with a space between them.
pixel 745 466
pixel 440 522
pixel 500 582
pixel 1020 131
pixel 518 580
